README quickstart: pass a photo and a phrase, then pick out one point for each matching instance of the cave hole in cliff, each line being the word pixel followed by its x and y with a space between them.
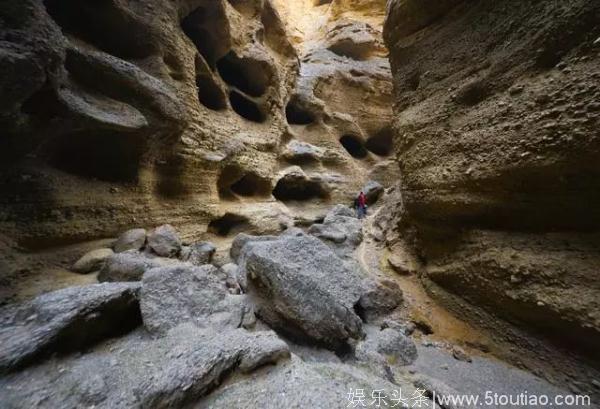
pixel 351 50
pixel 381 143
pixel 246 74
pixel 298 115
pixel 292 188
pixel 245 107
pixel 208 28
pixel 102 155
pixel 251 185
pixel 354 146
pixel 105 25
pixel 210 94
pixel 234 180
pixel 228 224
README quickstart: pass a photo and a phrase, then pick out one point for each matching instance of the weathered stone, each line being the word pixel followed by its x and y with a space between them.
pixel 65 320
pixel 198 254
pixel 179 294
pixel 304 288
pixel 340 230
pixel 379 298
pixel 129 266
pixel 92 261
pixel 386 347
pixel 241 240
pixel 400 265
pixel 164 241
pixel 140 371
pixel 460 354
pixel 196 371
pixel 133 239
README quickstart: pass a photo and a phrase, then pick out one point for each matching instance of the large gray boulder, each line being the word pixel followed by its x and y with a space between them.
pixel 304 289
pixel 130 266
pixel 137 371
pixel 164 241
pixel 133 239
pixel 380 298
pixel 241 240
pixel 92 261
pixel 65 320
pixel 183 293
pixel 387 347
pixel 340 230
pixel 195 372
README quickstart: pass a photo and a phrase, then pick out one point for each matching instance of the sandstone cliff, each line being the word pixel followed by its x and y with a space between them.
pixel 497 136
pixel 208 115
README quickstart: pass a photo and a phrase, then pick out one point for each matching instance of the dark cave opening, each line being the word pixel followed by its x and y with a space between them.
pixel 292 188
pixel 228 224
pixel 251 185
pixel 245 107
pixel 102 155
pixel 381 143
pixel 204 27
pixel 297 115
pixel 104 24
pixel 354 146
pixel 234 180
pixel 210 94
pixel 249 76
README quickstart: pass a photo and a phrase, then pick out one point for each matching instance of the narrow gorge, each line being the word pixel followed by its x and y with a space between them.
pixel 178 183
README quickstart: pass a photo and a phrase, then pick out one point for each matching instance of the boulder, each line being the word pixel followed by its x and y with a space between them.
pixel 196 370
pixel 386 347
pixel 179 294
pixel 241 240
pixel 92 261
pixel 65 320
pixel 341 210
pixel 340 230
pixel 133 239
pixel 198 254
pixel 233 277
pixel 164 241
pixel 373 191
pixel 400 265
pixel 380 298
pixel 304 289
pixel 137 371
pixel 129 266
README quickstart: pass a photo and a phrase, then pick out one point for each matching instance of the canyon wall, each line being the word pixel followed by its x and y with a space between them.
pixel 204 114
pixel 497 135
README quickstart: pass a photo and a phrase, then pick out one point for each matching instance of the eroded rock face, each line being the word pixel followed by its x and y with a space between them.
pixel 119 115
pixel 496 131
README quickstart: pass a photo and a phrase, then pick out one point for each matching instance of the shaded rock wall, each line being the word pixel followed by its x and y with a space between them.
pixel 497 137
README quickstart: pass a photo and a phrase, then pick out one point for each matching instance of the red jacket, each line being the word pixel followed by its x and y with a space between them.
pixel 362 200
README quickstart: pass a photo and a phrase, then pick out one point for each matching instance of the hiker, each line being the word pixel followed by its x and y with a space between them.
pixel 361 205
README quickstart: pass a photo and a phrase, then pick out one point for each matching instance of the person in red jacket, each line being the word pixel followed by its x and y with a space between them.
pixel 362 205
